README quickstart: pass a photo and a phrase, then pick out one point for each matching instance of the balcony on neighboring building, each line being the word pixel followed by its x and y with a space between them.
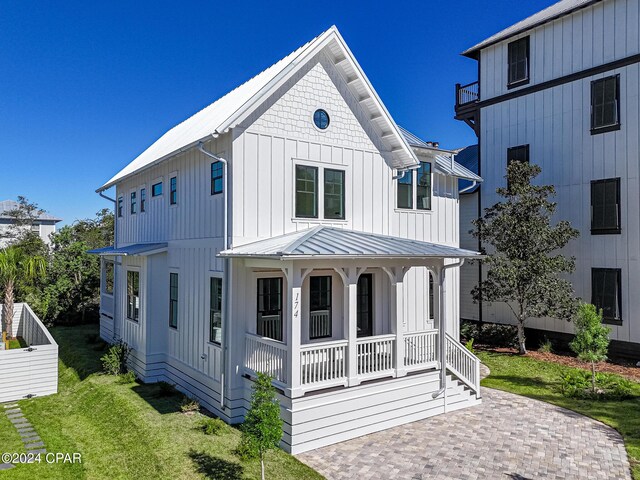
pixel 467 98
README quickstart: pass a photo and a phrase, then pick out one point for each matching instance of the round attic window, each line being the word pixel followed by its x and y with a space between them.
pixel 321 119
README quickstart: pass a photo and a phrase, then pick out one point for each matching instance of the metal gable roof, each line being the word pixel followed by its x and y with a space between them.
pixel 564 7
pixel 135 249
pixel 228 111
pixel 7 206
pixel 331 242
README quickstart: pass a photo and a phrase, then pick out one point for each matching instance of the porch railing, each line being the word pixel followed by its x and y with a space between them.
pixel 319 324
pixel 270 326
pixel 463 364
pixel 324 364
pixel 375 355
pixel 466 94
pixel 420 349
pixel 266 356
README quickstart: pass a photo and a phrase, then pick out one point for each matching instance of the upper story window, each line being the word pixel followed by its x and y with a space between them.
pixel 216 177
pixel 108 277
pixel 133 203
pixel 321 119
pixel 606 293
pixel 423 186
pixel 143 200
pixel 334 194
pixel 605 104
pixel 156 189
pixel 306 191
pixel 319 307
pixel 173 300
pixel 518 62
pixel 133 295
pixel 605 206
pixel 173 190
pixel 405 190
pixel 120 206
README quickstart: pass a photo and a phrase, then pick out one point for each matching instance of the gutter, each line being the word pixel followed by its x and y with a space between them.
pixel 225 272
pixel 466 189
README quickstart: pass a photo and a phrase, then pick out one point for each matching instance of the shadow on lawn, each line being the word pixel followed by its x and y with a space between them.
pixel 523 381
pixel 162 401
pixel 215 467
pixel 76 351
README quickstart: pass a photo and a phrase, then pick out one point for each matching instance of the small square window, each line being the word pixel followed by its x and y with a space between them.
pixel 156 189
pixel 605 104
pixel 605 206
pixel 606 293
pixel 518 62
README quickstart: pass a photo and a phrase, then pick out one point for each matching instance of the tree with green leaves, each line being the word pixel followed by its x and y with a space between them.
pixel 525 266
pixel 262 428
pixel 20 230
pixel 591 342
pixel 16 265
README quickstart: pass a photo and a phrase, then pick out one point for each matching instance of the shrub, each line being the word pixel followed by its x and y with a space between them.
pixel 579 384
pixel 468 330
pixel 127 378
pixel 546 346
pixel 498 335
pixel 114 362
pixel 211 426
pixel 592 338
pixel 189 405
pixel 469 346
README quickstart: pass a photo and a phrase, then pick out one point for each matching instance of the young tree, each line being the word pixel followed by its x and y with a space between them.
pixel 592 338
pixel 524 265
pixel 14 265
pixel 262 428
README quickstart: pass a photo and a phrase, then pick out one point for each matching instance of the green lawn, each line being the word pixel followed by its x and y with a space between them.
pixel 540 380
pixel 126 431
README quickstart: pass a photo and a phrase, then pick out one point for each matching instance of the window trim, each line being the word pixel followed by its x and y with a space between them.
pixel 614 126
pixel 137 271
pixel 527 79
pixel 618 271
pixel 607 230
pixel 413 191
pixel 173 322
pixel 219 277
pixel 316 193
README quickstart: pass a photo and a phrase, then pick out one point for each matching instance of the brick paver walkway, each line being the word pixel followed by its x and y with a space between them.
pixel 507 437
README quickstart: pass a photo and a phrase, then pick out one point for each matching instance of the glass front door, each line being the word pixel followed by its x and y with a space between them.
pixel 365 305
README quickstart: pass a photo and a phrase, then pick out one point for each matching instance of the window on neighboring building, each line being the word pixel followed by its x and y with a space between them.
pixel 605 104
pixel 334 194
pixel 423 186
pixel 120 206
pixel 133 203
pixel 306 191
pixel 605 206
pixel 156 189
pixel 173 300
pixel 143 200
pixel 405 190
pixel 215 310
pixel 518 52
pixel 108 277
pixel 35 228
pixel 133 295
pixel 319 307
pixel 606 293
pixel 270 308
pixel 217 170
pixel 173 190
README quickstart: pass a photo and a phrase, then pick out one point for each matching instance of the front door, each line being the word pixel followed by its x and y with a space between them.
pixel 365 305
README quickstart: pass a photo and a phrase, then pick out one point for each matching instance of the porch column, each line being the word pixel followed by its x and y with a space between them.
pixel 398 325
pixel 349 277
pixel 295 276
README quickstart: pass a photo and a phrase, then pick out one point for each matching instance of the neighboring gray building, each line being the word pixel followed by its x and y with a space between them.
pixel 44 224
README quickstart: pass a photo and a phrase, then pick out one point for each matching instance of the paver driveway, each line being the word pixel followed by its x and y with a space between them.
pixel 507 437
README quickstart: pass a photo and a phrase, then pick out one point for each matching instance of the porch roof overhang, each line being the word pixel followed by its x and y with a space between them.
pixel 135 249
pixel 324 242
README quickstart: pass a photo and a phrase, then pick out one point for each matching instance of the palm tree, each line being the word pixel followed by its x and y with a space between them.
pixel 14 264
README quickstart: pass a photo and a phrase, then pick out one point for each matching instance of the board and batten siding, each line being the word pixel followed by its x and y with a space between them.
pixel 469 271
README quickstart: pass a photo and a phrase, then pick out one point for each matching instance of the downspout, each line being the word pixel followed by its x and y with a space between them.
pixel 442 326
pixel 466 189
pixel 225 272
pixel 115 265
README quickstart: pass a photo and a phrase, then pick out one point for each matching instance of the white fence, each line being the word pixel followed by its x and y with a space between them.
pixel 31 371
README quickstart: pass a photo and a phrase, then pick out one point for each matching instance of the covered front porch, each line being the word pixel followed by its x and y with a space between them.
pixel 336 308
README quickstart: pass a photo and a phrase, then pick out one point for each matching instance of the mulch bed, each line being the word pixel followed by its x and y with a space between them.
pixel 619 367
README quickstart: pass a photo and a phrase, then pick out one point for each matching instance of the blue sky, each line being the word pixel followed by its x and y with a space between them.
pixel 86 86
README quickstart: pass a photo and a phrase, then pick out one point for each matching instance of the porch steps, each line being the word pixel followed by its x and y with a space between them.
pixel 459 395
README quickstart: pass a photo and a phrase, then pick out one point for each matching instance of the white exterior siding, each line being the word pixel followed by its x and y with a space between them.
pixel 469 271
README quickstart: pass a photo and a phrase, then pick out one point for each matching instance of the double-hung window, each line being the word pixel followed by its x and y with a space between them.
pixel 605 104
pixel 334 194
pixel 423 186
pixel 319 307
pixel 133 203
pixel 405 190
pixel 605 206
pixel 518 62
pixel 606 293
pixel 215 310
pixel 217 171
pixel 143 200
pixel 173 190
pixel 407 195
pixel 270 308
pixel 133 295
pixel 306 191
pixel 173 300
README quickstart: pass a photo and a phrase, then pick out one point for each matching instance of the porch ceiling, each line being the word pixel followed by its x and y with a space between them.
pixel 331 242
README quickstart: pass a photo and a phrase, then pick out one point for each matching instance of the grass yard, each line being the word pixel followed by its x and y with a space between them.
pixel 540 380
pixel 127 431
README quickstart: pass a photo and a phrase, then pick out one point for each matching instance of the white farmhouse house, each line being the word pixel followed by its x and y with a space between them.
pixel 561 89
pixel 290 228
pixel 44 224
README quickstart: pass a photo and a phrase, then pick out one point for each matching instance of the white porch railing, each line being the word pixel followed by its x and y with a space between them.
pixel 319 324
pixel 323 365
pixel 375 356
pixel 420 349
pixel 463 364
pixel 266 356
